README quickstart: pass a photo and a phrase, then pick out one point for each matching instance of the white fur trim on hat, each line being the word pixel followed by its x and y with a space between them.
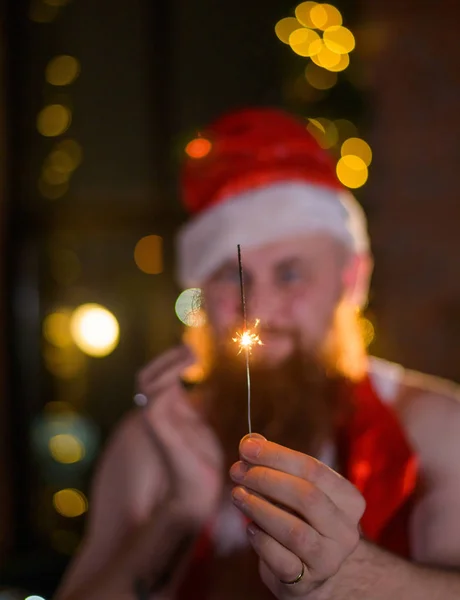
pixel 264 215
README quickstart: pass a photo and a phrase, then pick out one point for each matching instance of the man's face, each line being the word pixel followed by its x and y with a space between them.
pixel 293 286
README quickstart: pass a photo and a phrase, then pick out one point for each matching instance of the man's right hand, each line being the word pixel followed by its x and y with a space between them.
pixel 188 446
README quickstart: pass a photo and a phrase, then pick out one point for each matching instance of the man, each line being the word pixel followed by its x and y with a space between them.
pixel 374 514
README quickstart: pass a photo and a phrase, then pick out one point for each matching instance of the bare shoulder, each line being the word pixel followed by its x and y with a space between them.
pixel 429 409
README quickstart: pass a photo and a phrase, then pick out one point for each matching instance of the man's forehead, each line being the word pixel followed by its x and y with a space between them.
pixel 290 250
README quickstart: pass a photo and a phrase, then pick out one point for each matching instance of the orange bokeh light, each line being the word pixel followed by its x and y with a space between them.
pixel 198 148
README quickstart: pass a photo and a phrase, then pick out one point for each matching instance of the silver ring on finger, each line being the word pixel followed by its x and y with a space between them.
pixel 140 400
pixel 297 579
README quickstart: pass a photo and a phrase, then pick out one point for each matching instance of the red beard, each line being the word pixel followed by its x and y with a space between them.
pixel 294 404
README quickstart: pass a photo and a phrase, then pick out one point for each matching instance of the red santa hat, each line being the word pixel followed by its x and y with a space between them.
pixel 264 178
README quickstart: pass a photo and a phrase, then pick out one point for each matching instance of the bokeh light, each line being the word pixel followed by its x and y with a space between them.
pixel 367 331
pixel 305 42
pixel 41 12
pixel 326 58
pixel 66 448
pixel 34 598
pixel 63 440
pixel 62 70
pixel 188 308
pixel 357 147
pixel 53 120
pixel 73 151
pixel 53 177
pixel 148 254
pixel 302 13
pixel 64 363
pixel 346 129
pixel 56 328
pixel 331 60
pixel 325 15
pixel 352 171
pixel 95 330
pixel 70 503
pixel 339 39
pixel 285 27
pixel 198 148
pixel 324 131
pixel 319 78
pixel 52 192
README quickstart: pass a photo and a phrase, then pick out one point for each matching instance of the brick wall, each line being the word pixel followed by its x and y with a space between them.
pixel 414 190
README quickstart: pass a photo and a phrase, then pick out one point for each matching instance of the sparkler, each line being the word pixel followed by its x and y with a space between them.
pixel 246 338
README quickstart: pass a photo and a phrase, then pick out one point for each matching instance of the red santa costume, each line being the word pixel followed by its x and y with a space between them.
pixel 266 178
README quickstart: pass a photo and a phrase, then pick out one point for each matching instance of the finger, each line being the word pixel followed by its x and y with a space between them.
pixel 157 367
pixel 289 530
pixel 284 565
pixel 339 489
pixel 297 494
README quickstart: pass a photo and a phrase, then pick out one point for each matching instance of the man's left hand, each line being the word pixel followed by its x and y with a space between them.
pixel 304 516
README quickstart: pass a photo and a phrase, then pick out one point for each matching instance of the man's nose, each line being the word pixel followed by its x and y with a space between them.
pixel 264 304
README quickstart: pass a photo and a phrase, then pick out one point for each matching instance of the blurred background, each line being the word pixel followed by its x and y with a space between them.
pixel 99 102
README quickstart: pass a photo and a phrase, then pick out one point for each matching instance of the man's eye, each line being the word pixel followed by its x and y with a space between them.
pixel 230 276
pixel 290 275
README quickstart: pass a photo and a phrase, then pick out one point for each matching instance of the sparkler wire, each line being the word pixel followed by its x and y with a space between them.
pixel 245 323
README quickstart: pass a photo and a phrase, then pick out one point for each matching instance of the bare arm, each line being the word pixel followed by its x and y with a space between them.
pixel 433 421
pixel 129 485
pixel 373 574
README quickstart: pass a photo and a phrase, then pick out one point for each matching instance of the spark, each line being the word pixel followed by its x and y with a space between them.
pixel 248 338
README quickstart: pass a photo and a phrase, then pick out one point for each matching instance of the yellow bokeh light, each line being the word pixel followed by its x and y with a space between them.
pixel 72 149
pixel 367 331
pixel 285 27
pixel 326 58
pixel 339 39
pixel 66 448
pixel 148 254
pixel 54 120
pixel 305 42
pixel 95 330
pixel 346 129
pixel 324 131
pixel 53 177
pixel 352 171
pixel 357 147
pixel 325 15
pixel 319 78
pixel 62 70
pixel 331 60
pixel 302 13
pixel 188 308
pixel 52 192
pixel 70 503
pixel 56 329
pixel 40 12
pixel 64 363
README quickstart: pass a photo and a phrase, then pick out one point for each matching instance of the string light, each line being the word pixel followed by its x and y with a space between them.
pixel 355 146
pixel 352 171
pixel 70 503
pixel 148 254
pixel 53 120
pixel 95 330
pixel 198 148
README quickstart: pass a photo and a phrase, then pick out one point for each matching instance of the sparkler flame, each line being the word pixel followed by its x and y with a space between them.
pixel 248 338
